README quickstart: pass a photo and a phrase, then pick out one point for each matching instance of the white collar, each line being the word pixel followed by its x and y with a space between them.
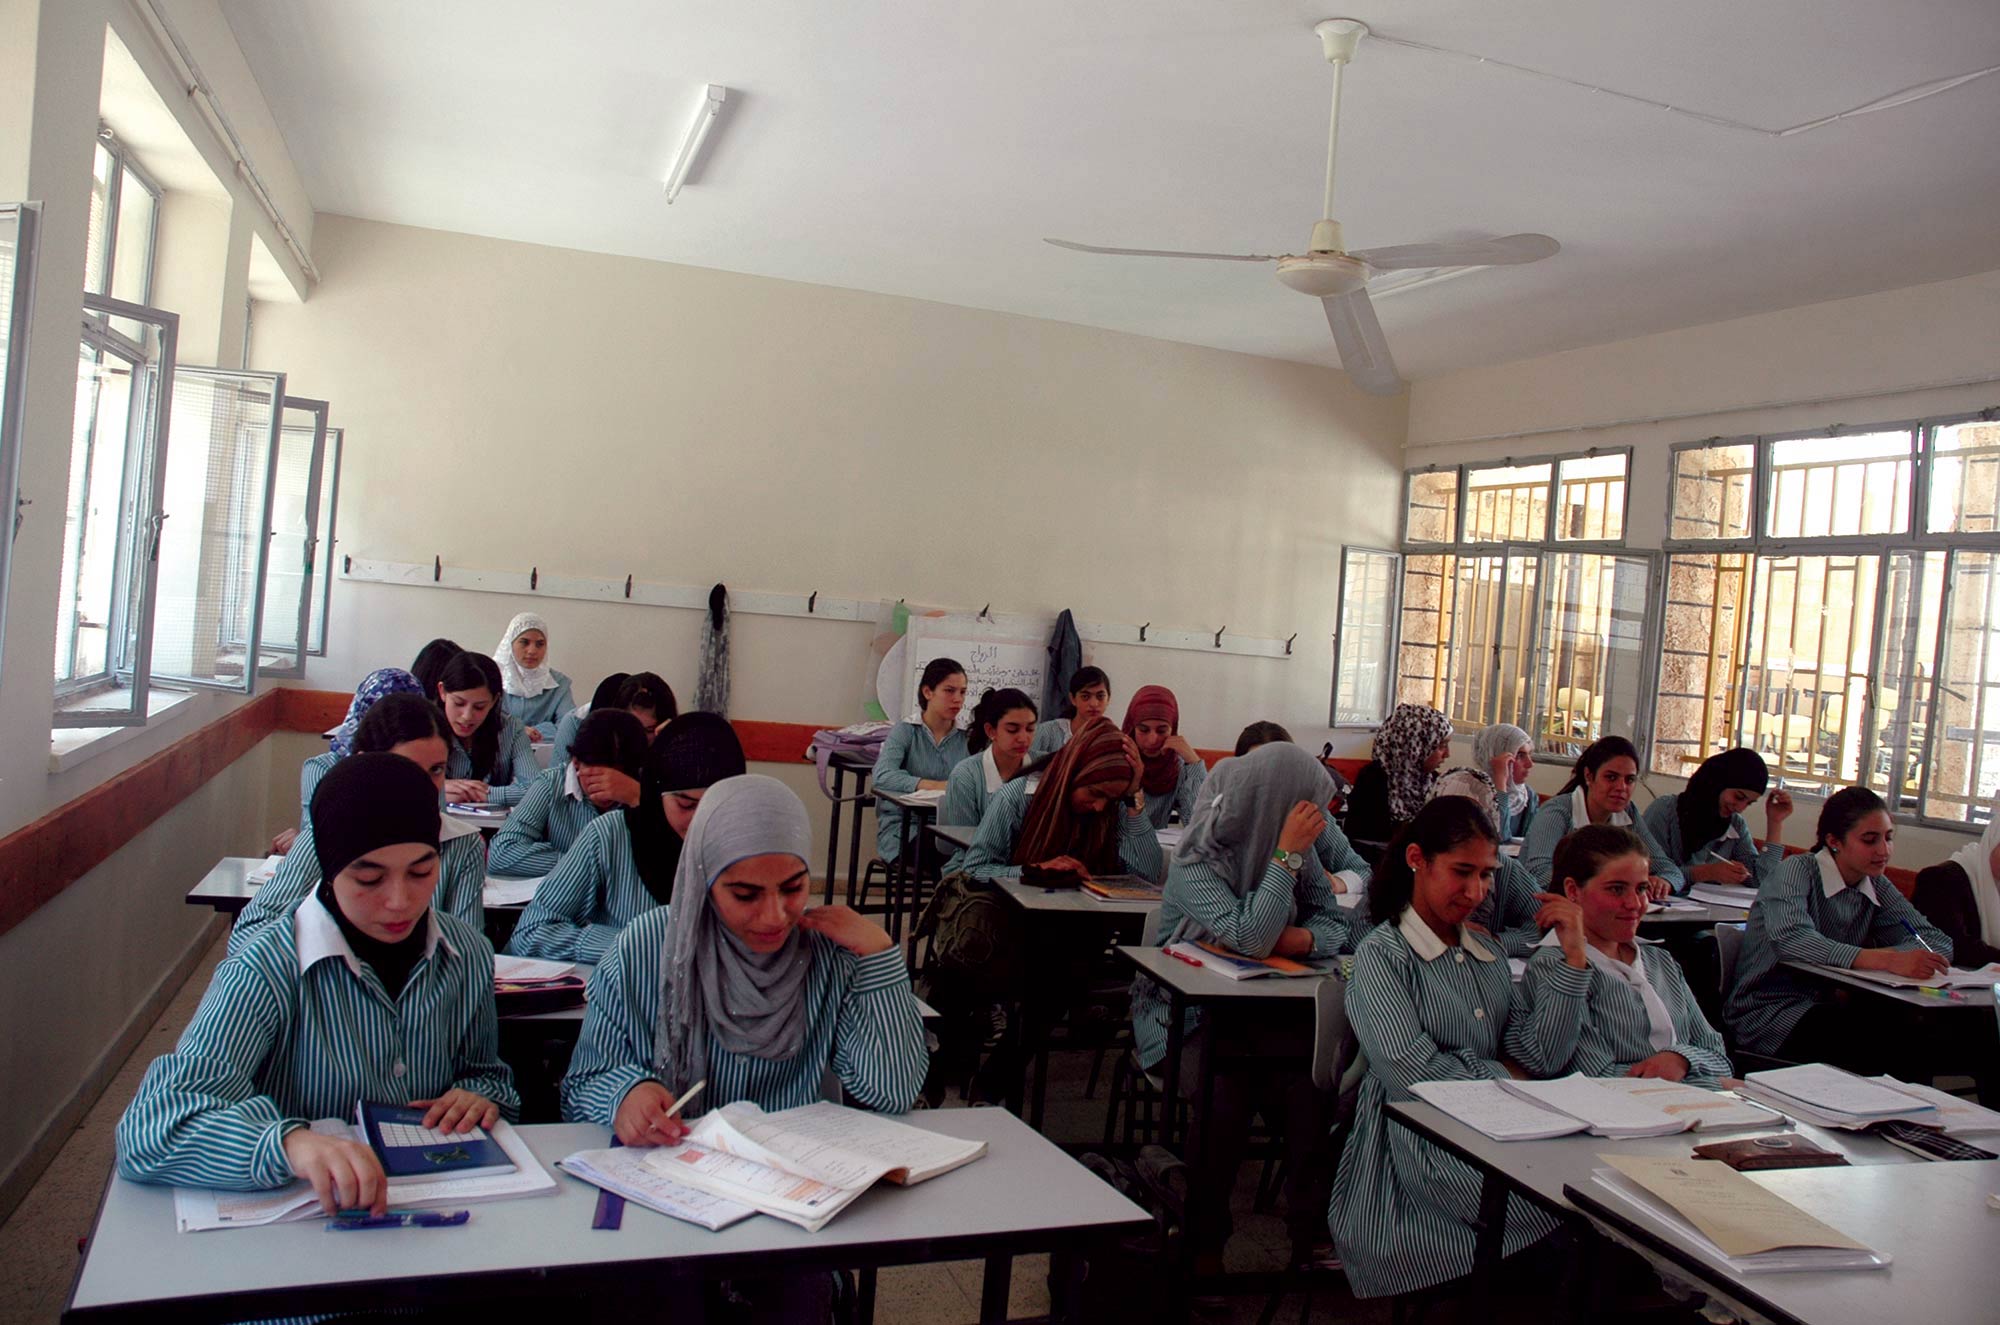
pixel 1831 883
pixel 572 784
pixel 450 829
pixel 1427 945
pixel 993 779
pixel 1730 834
pixel 319 937
pixel 1579 812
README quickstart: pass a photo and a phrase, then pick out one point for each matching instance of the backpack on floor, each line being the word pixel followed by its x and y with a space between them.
pixel 975 935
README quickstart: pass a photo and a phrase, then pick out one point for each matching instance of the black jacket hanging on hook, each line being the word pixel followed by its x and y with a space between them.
pixel 1065 657
pixel 711 693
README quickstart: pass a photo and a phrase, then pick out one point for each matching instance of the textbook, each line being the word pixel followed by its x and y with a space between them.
pixel 411 1152
pixel 203 1209
pixel 511 892
pixel 1828 1097
pixel 1124 888
pixel 1728 1219
pixel 1956 1116
pixel 804 1165
pixel 1235 966
pixel 623 1171
pixel 1724 894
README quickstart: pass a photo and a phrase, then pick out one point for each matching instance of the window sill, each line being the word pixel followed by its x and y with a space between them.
pixel 70 746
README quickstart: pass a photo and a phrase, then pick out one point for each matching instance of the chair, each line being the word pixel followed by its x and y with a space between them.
pixel 1728 943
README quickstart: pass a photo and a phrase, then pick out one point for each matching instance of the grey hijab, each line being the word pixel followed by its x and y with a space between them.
pixel 1242 810
pixel 713 987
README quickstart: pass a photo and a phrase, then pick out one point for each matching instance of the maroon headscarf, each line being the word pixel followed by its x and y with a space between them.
pixel 1156 704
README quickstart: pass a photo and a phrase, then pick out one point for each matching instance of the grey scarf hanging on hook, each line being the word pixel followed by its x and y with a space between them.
pixel 711 692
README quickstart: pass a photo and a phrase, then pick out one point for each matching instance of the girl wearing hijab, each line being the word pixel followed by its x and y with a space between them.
pixel 1070 814
pixel 1507 755
pixel 369 992
pixel 1089 697
pixel 742 984
pixel 400 725
pixel 1702 829
pixel 537 694
pixel 1429 1000
pixel 1599 791
pixel 603 771
pixel 997 742
pixel 1962 899
pixel 1511 912
pixel 645 695
pixel 919 755
pixel 1173 772
pixel 376 685
pixel 1239 880
pixel 492 762
pixel 1410 747
pixel 622 865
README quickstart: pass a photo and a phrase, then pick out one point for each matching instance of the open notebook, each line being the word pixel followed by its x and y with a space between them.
pixel 1830 1097
pixel 1956 977
pixel 1602 1106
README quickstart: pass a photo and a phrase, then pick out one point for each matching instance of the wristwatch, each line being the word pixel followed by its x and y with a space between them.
pixel 1291 860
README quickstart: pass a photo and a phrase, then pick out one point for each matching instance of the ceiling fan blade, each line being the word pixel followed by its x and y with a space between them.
pixel 1364 353
pixel 1503 251
pixel 1161 252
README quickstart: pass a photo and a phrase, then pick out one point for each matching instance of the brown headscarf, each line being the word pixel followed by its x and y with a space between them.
pixel 1094 757
pixel 1156 704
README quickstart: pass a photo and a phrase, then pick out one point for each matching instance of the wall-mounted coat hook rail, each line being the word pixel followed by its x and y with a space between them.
pixel 986 612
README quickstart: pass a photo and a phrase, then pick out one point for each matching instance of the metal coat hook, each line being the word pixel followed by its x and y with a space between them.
pixel 628 586
pixel 534 577
pixel 437 569
pixel 1142 631
pixel 986 613
pixel 1218 637
pixel 812 600
pixel 347 565
pixel 1288 644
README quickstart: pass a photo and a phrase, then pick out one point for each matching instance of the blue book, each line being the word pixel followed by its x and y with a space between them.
pixel 411 1152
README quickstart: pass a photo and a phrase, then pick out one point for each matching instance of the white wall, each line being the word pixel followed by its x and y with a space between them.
pixel 1736 377
pixel 509 406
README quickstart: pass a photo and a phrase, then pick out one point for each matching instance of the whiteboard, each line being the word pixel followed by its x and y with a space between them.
pixel 993 656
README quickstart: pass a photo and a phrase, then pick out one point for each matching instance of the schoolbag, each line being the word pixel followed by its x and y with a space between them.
pixel 860 739
pixel 975 935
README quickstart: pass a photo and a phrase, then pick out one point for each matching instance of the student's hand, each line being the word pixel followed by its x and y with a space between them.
pixel 1138 804
pixel 608 784
pixel 534 733
pixel 1657 887
pixel 1566 919
pixel 1916 963
pixel 1070 863
pixel 465 791
pixel 344 1174
pixel 1335 884
pixel 458 1110
pixel 642 1118
pixel 1138 760
pixel 1294 941
pixel 1720 871
pixel 849 928
pixel 1777 809
pixel 282 843
pixel 1302 828
pixel 1179 745
pixel 1665 1065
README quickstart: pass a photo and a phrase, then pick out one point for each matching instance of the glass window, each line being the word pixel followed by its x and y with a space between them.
pixel 1590 498
pixel 1829 487
pixel 1713 490
pixel 1811 633
pixel 1591 658
pixel 1701 658
pixel 17 263
pixel 1492 629
pixel 1507 503
pixel 97 234
pixel 1363 679
pixel 1962 712
pixel 132 248
pixel 1964 479
pixel 323 543
pixel 1432 513
pixel 289 568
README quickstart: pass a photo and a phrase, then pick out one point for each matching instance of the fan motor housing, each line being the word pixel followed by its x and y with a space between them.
pixel 1323 275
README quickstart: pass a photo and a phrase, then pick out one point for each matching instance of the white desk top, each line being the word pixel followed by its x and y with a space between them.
pixel 959 835
pixel 224 886
pixel 1979 996
pixel 1197 984
pixel 1072 900
pixel 495 816
pixel 926 801
pixel 1931 1220
pixel 1699 914
pixel 1023 1189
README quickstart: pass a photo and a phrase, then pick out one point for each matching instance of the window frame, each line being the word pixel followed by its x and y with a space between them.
pixel 319 409
pixel 13 395
pixel 123 163
pixel 323 557
pixel 1340 632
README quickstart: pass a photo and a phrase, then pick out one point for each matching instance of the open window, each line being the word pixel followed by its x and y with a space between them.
pixel 17 281
pixel 1364 677
pixel 324 539
pixel 288 577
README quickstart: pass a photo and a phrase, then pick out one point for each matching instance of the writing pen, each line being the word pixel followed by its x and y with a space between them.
pixel 1181 957
pixel 692 1091
pixel 1917 936
pixel 350 1221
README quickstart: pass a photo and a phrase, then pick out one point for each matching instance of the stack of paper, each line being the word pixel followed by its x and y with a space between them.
pixel 1955 977
pixel 511 892
pixel 1123 888
pixel 1723 894
pixel 1828 1097
pixel 1484 1107
pixel 1729 1219
pixel 264 873
pixel 1672 903
pixel 624 1171
pixel 1235 966
pixel 1603 1106
pixel 529 970
pixel 198 1209
pixel 1958 1117
pixel 1170 836
pixel 1603 1109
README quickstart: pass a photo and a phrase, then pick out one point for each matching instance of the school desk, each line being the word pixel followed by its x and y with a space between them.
pixel 541 1254
pixel 225 886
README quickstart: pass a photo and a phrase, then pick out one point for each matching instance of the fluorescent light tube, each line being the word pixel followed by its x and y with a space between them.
pixel 704 120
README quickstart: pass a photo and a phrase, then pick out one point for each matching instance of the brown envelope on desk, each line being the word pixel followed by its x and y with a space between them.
pixel 1740 1217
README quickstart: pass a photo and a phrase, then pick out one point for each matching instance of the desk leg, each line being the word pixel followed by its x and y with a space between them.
pixel 833 830
pixel 864 1297
pixel 1066 1273
pixel 993 1286
pixel 1170 1106
pixel 854 839
pixel 1492 1233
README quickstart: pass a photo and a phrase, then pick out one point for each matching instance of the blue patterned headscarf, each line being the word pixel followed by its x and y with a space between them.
pixel 375 685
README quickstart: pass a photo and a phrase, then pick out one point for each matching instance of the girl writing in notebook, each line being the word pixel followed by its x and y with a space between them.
pixel 1072 814
pixel 601 774
pixel 622 865
pixel 1628 1011
pixel 1173 772
pixel 367 992
pixel 492 762
pixel 1599 791
pixel 1701 828
pixel 1089 697
pixel 1003 727
pixel 1239 881
pixel 1429 1000
pixel 537 694
pixel 401 725
pixel 919 755
pixel 1833 906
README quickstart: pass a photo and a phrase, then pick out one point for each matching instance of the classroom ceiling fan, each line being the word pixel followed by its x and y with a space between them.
pixel 1339 279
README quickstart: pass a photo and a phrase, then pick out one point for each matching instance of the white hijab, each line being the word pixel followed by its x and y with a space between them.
pixel 1977 862
pixel 516 679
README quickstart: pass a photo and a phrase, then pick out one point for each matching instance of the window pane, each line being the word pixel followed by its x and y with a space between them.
pixel 1701 658
pixel 1811 629
pixel 1831 486
pixel 285 575
pixel 218 462
pixel 1433 510
pixel 1965 479
pixel 1913 604
pixel 1590 499
pixel 96 264
pixel 1423 654
pixel 329 506
pixel 98 517
pixel 132 254
pixel 1592 649
pixel 1491 639
pixel 1362 675
pixel 1964 762
pixel 1712 488
pixel 1507 504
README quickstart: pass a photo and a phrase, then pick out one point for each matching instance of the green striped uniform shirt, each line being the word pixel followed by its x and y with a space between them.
pixel 1160 809
pixel 514 765
pixel 541 828
pixel 1592 1021
pixel 593 892
pixel 991 855
pixel 1552 823
pixel 910 754
pixel 1663 821
pixel 862 1025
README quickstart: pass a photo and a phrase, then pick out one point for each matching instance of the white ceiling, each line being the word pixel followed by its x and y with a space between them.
pixel 925 149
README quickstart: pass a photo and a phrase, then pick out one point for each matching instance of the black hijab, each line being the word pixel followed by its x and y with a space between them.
pixel 694 750
pixel 364 802
pixel 1699 808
